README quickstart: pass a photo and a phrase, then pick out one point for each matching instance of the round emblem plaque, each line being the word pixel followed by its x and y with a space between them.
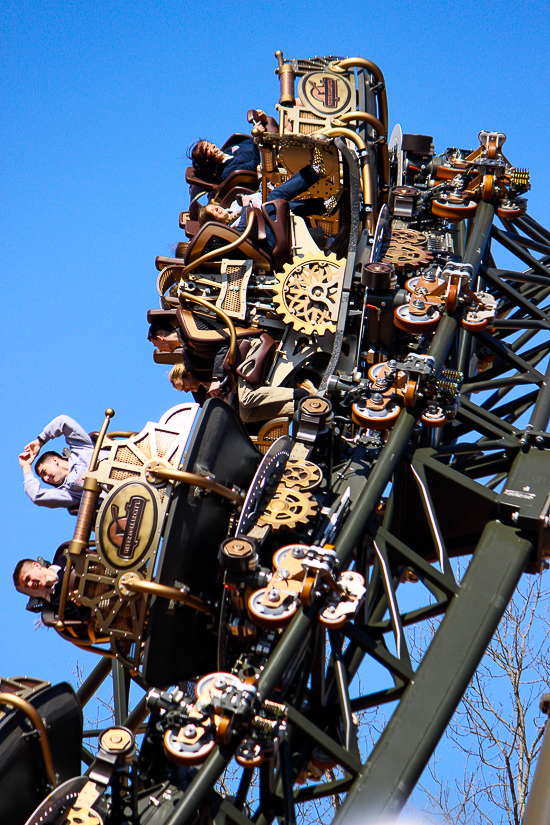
pixel 324 92
pixel 127 522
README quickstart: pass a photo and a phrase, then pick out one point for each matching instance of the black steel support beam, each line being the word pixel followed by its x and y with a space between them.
pixel 429 702
pixel 202 785
pixel 541 413
pixel 520 253
pixel 94 680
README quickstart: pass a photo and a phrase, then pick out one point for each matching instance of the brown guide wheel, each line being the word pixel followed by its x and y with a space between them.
pixel 453 212
pixel 370 420
pixel 415 324
pixel 411 392
pixel 270 617
pixel 451 297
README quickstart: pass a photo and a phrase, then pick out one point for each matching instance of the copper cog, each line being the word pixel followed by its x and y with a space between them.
pixel 303 474
pixel 407 250
pixel 287 508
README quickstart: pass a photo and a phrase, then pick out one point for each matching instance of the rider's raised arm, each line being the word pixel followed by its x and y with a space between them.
pixel 47 496
pixel 75 436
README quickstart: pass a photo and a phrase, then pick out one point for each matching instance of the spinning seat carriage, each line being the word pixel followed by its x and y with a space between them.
pixel 155 540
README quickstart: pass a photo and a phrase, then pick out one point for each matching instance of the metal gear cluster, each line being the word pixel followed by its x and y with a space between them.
pixel 407 250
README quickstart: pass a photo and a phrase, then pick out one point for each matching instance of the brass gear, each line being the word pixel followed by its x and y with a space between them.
pixel 288 507
pixel 83 816
pixel 408 236
pixel 407 250
pixel 303 474
pixel 407 256
pixel 307 294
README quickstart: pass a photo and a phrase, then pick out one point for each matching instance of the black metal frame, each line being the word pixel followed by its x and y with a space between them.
pixel 492 448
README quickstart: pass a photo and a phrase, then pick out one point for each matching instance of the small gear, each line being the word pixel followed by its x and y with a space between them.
pixel 407 256
pixel 303 474
pixel 83 816
pixel 407 250
pixel 408 236
pixel 307 295
pixel 287 508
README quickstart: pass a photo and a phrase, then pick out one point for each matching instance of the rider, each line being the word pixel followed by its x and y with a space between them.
pixel 65 475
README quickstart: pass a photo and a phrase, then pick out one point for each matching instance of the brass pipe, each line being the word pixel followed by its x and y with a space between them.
pixel 34 717
pixel 86 513
pixel 166 592
pixel 222 250
pixel 64 592
pixel 87 506
pixel 286 79
pixel 373 121
pixel 362 63
pixel 232 355
pixel 378 126
pixel 367 184
pixel 167 474
pixel 109 413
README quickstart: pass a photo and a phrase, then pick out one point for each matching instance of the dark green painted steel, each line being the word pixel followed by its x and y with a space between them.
pixel 430 700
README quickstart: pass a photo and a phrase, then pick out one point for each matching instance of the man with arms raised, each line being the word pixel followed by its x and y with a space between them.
pixel 64 475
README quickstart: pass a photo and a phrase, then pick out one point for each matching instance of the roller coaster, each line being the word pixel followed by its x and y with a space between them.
pixel 258 582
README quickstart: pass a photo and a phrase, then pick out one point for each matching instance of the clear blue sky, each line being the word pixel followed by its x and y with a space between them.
pixel 100 103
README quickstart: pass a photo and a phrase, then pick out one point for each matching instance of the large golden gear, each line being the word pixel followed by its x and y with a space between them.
pixel 307 294
pixel 303 474
pixel 287 508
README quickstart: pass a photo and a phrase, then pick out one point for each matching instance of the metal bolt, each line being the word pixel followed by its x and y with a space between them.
pixel 220 683
pixel 272 596
pixel 298 552
pixel 189 731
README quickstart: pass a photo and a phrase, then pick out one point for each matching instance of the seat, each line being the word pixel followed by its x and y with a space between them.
pixel 206 333
pixel 162 315
pixel 280 226
pixel 247 179
pixel 179 642
pixel 261 360
pixel 215 235
pixel 22 775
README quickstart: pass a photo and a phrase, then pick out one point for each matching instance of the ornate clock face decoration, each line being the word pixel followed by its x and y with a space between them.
pixel 324 92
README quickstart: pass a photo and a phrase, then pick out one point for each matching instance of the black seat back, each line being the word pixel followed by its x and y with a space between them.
pixel 22 778
pixel 179 645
